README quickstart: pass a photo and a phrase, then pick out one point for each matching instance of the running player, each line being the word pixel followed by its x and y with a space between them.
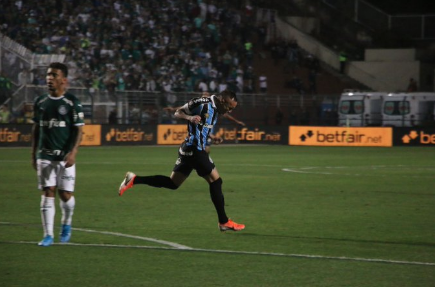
pixel 201 115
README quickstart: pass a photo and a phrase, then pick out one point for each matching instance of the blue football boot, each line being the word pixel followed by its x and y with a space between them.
pixel 47 241
pixel 65 234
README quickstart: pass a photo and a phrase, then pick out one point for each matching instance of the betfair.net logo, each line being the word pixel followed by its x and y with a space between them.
pixel 246 134
pixel 421 136
pixel 340 136
pixel 128 135
pixel 174 135
pixel 171 134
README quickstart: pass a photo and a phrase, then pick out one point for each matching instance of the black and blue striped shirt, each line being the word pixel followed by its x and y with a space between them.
pixel 198 133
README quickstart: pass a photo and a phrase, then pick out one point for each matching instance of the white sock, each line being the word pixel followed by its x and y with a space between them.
pixel 67 210
pixel 48 210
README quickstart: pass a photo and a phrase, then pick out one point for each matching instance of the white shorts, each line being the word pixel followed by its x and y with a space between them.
pixel 54 173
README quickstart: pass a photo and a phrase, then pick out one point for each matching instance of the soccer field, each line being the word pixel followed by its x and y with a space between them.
pixel 315 216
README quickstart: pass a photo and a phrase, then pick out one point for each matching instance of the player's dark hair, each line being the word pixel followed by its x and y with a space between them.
pixel 229 94
pixel 60 66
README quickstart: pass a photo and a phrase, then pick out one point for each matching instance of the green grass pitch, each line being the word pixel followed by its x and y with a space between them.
pixel 315 216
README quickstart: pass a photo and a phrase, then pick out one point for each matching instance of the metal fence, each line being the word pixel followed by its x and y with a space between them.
pixel 253 109
pixel 140 107
pixel 15 58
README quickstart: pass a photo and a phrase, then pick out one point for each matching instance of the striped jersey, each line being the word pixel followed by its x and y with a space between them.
pixel 56 118
pixel 198 133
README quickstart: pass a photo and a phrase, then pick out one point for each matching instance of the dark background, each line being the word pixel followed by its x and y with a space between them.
pixel 405 7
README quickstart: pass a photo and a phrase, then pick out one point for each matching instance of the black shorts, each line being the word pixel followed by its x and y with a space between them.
pixel 189 159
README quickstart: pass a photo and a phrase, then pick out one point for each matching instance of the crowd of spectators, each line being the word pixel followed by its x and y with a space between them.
pixel 153 45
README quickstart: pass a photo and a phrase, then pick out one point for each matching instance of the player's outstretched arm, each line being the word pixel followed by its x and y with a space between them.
pixel 171 109
pixel 231 118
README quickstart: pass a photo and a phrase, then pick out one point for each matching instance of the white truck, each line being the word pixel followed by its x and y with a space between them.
pixel 408 109
pixel 360 109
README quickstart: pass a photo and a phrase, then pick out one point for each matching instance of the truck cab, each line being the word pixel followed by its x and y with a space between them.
pixel 408 109
pixel 360 109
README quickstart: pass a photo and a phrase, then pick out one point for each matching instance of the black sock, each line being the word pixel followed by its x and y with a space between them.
pixel 156 181
pixel 218 200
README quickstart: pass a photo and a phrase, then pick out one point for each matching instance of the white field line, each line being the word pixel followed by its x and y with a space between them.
pixel 164 242
pixel 370 260
pixel 339 170
pixel 180 247
pixel 303 171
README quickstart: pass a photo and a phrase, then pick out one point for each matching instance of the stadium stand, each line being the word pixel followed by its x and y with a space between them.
pixel 113 47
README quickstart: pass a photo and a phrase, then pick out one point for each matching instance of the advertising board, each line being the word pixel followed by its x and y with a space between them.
pixel 414 137
pixel 340 136
pixel 128 135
